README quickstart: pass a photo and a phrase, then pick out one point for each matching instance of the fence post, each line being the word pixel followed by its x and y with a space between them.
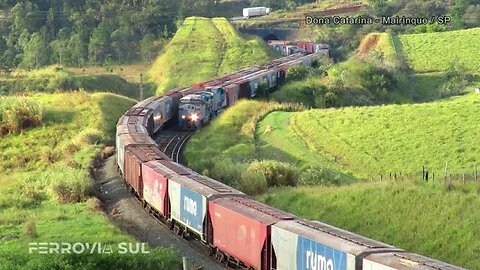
pixel 475 172
pixel 186 264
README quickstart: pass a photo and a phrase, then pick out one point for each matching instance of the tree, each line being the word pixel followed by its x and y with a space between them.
pixel 36 53
pixel 472 16
pixel 147 48
pixel 99 45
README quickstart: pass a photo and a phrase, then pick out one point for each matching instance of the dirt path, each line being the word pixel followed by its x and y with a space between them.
pixel 127 213
pixel 369 43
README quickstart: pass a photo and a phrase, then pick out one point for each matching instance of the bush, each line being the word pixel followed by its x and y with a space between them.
pixel 297 73
pixel 226 171
pixel 276 173
pixel 17 113
pixel 71 185
pixel 252 183
pixel 30 230
pixel 90 136
pixel 316 175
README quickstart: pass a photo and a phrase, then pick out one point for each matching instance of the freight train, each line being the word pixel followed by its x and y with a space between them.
pixel 232 227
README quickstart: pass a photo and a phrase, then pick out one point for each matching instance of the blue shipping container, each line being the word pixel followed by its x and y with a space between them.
pixel 315 256
pixel 192 209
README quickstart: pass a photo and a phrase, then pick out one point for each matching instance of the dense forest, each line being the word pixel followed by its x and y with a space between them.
pixel 82 32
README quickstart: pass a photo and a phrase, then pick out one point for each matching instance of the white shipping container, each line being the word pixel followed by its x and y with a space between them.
pixel 255 11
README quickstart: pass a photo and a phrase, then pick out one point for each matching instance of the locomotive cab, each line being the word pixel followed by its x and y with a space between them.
pixel 194 111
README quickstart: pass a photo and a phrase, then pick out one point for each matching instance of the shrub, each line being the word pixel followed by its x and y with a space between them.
pixel 90 136
pixel 70 185
pixel 316 175
pixel 17 113
pixel 30 229
pixel 297 73
pixel 252 183
pixel 276 173
pixel 226 171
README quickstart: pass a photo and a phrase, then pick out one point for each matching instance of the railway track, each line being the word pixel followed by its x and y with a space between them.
pixel 171 142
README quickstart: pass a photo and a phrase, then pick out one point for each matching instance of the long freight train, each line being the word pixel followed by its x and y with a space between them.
pixel 237 230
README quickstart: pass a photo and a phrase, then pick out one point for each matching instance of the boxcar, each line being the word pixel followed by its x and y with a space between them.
pixel 127 129
pixel 241 230
pixel 124 140
pixel 404 261
pixel 135 156
pixel 162 108
pixel 155 183
pixel 301 245
pixel 189 196
pixel 232 93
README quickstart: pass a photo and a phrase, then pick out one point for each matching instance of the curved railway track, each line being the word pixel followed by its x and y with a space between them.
pixel 171 142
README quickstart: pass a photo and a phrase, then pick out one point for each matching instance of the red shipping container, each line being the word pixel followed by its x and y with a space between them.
pixel 155 186
pixel 241 229
pixel 232 93
pixel 135 156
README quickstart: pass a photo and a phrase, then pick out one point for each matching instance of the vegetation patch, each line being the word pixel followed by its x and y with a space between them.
pixel 430 52
pixel 17 113
pixel 46 186
pixel 57 79
pixel 235 148
pixel 373 141
pixel 203 49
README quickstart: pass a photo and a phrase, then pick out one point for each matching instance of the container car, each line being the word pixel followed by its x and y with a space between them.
pixel 301 245
pixel 156 175
pixel 241 231
pixel 162 108
pixel 124 140
pixel 255 12
pixel 129 128
pixel 404 261
pixel 135 156
pixel 189 196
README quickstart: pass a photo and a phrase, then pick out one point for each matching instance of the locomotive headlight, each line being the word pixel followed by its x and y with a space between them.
pixel 183 116
pixel 194 117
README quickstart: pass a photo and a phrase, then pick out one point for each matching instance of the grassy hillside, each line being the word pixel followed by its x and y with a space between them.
pixel 55 78
pixel 436 51
pixel 45 186
pixel 203 49
pixel 420 217
pixel 369 141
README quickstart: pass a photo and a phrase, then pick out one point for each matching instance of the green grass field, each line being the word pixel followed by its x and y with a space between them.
pixel 45 182
pixel 431 52
pixel 56 79
pixel 203 49
pixel 369 141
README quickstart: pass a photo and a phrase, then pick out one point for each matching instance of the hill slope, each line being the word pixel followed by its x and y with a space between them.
pixel 436 51
pixel 369 141
pixel 45 186
pixel 202 49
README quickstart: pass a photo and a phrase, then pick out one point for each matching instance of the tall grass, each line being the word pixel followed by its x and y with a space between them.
pixel 17 113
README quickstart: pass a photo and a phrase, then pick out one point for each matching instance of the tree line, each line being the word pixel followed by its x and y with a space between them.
pixel 81 32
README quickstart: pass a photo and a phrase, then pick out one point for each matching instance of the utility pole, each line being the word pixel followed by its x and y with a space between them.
pixel 141 86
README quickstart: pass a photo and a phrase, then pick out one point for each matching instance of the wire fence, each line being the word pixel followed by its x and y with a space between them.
pixel 431 176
